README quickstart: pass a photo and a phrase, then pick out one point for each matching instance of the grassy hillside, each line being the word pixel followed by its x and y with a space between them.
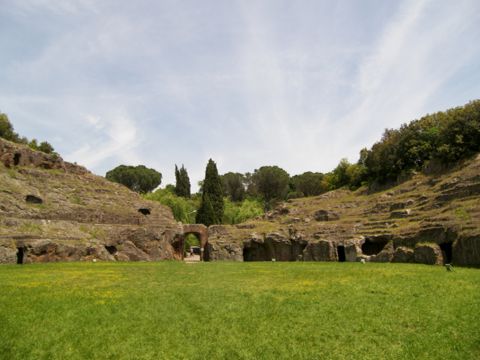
pixel 439 208
pixel 173 310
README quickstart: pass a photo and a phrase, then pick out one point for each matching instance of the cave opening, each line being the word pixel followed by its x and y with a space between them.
pixel 112 250
pixel 16 159
pixel 447 252
pixel 373 248
pixel 32 199
pixel 341 253
pixel 255 252
pixel 20 255
pixel 144 211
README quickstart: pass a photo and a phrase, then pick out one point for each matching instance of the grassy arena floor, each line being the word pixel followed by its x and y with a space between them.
pixel 173 310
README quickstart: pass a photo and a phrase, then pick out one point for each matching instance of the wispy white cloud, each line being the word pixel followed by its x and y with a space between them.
pixel 414 57
pixel 296 84
pixel 114 136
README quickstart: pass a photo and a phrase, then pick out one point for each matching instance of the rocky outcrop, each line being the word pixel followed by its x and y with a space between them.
pixel 51 210
pixel 385 255
pixel 274 246
pixel 430 254
pixel 325 215
pixel 466 251
pixel 403 254
pixel 12 154
pixel 322 250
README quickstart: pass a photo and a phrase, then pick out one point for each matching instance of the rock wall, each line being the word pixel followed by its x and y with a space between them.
pixel 51 210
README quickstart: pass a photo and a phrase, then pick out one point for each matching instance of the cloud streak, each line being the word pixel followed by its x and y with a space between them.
pixel 299 85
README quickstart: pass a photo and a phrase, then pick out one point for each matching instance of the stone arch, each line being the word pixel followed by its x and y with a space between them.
pixel 201 231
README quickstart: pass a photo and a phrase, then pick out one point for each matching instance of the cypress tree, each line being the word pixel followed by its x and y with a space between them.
pixel 211 207
pixel 182 182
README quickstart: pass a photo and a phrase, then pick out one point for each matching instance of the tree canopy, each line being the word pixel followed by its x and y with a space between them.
pixel 308 184
pixel 271 183
pixel 233 186
pixel 137 178
pixel 212 206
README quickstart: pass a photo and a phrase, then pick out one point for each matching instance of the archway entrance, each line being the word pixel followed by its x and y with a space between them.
pixel 192 249
pixel 194 243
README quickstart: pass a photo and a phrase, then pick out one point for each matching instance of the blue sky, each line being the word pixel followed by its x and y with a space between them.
pixel 298 84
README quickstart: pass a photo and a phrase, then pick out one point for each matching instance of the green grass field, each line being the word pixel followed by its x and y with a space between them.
pixel 173 310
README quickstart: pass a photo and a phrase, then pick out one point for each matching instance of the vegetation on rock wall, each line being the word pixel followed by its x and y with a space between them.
pixel 7 132
pixel 183 209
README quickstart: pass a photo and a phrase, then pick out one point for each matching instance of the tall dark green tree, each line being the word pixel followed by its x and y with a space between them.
pixel 182 182
pixel 211 207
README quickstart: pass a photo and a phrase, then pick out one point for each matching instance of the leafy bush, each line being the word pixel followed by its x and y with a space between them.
pixel 183 209
pixel 236 213
pixel 7 132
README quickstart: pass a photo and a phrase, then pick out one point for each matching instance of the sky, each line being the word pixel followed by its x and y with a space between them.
pixel 297 84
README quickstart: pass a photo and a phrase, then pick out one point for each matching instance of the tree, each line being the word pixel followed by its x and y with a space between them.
pixel 7 132
pixel 271 182
pixel 233 186
pixel 308 184
pixel 6 129
pixel 182 182
pixel 137 178
pixel 46 147
pixel 211 206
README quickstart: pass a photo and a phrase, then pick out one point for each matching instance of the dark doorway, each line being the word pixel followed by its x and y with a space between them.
pixel 144 211
pixel 32 199
pixel 20 255
pixel 256 252
pixel 112 250
pixel 341 253
pixel 373 248
pixel 447 252
pixel 16 159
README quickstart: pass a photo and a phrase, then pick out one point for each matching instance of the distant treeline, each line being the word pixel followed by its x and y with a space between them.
pixel 438 139
pixel 7 132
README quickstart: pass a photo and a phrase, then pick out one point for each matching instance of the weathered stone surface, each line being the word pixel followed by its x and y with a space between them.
pixel 401 213
pixel 323 250
pixel 403 254
pixel 430 254
pixel 386 255
pixel 8 255
pixel 325 215
pixel 70 214
pixel 352 251
pixel 402 205
pixel 466 251
pixel 273 246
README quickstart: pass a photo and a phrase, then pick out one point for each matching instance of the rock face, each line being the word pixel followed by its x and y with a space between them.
pixel 324 215
pixel 403 254
pixel 430 254
pixel 51 210
pixel 426 219
pixel 323 250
